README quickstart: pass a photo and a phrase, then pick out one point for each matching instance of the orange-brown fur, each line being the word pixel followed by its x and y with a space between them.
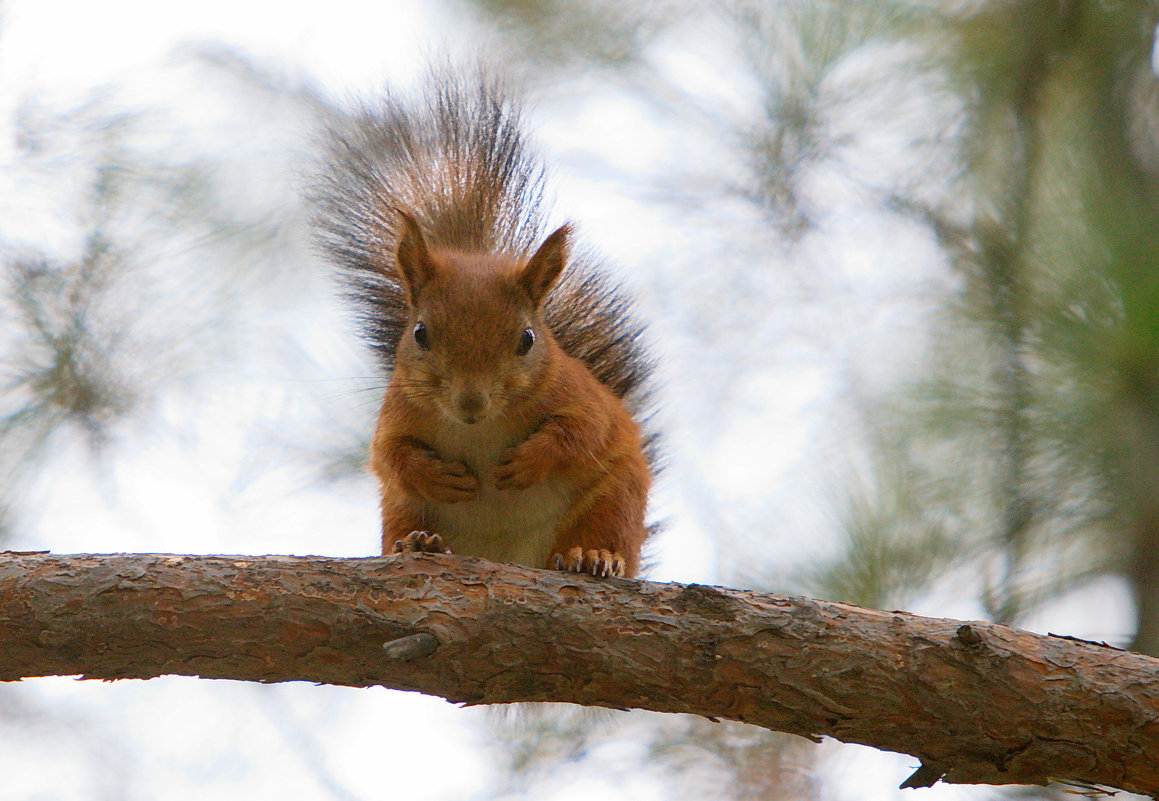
pixel 481 445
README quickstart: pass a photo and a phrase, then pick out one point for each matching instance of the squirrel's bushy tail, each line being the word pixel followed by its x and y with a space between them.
pixel 458 161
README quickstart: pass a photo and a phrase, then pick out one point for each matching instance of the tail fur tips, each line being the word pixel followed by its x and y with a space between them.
pixel 456 159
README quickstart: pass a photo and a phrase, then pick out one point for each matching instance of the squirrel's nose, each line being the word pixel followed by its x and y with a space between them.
pixel 470 402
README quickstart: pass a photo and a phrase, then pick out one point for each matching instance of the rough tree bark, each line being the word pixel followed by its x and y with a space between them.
pixel 977 702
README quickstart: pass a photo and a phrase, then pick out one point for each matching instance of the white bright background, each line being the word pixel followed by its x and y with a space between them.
pixel 180 738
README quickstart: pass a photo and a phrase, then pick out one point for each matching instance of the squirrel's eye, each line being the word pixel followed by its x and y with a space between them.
pixel 422 338
pixel 526 340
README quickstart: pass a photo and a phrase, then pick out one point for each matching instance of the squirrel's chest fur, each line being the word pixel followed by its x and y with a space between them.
pixel 505 525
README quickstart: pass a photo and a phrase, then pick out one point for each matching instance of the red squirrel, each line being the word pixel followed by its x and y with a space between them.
pixel 507 428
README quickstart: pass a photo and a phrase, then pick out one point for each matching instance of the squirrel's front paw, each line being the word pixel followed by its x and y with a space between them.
pixel 519 469
pixel 444 482
pixel 421 542
pixel 596 561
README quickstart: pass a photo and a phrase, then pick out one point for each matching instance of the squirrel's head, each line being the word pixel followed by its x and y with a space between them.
pixel 476 343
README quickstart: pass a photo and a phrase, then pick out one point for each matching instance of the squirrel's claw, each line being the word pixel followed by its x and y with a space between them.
pixel 599 562
pixel 448 482
pixel 520 467
pixel 421 542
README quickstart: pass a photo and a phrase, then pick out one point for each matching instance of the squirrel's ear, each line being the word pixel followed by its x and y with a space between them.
pixel 542 269
pixel 414 260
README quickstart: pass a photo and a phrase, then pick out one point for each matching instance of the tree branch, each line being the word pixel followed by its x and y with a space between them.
pixel 977 702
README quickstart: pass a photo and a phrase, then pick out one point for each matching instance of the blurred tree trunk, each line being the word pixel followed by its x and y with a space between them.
pixel 1124 214
pixel 977 702
pixel 1142 483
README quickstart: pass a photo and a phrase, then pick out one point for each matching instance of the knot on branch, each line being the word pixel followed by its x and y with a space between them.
pixel 968 636
pixel 413 646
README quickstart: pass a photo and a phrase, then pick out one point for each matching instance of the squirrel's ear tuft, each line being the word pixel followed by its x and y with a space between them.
pixel 543 269
pixel 414 260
